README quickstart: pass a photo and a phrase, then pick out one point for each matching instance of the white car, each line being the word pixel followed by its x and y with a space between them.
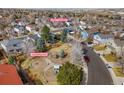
pixel 122 83
pixel 90 45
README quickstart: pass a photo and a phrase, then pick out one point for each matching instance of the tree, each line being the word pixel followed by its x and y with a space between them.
pixel 28 46
pixel 52 38
pixel 45 33
pixel 77 53
pixel 64 36
pixel 40 45
pixel 69 74
pixel 11 60
pixel 62 53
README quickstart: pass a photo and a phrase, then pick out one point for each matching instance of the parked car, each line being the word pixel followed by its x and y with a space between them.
pixel 90 44
pixel 122 83
pixel 84 51
pixel 87 59
pixel 83 43
pixel 108 66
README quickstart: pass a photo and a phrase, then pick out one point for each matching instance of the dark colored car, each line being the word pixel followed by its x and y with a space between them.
pixel 87 59
pixel 83 43
pixel 90 42
pixel 84 51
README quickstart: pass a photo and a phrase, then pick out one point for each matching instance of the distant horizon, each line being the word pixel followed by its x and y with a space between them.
pixel 68 9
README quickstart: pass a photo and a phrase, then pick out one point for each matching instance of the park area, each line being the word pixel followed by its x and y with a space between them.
pixel 41 69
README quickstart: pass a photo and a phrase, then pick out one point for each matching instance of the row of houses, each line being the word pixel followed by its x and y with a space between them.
pixel 18 45
pixel 108 39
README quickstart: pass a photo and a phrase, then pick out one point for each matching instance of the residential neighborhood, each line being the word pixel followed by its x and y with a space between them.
pixel 61 46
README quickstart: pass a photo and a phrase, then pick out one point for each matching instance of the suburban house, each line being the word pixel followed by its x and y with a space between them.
pixel 67 23
pixel 84 35
pixel 9 75
pixel 28 28
pixel 102 38
pixel 17 46
pixel 122 36
pixel 115 45
pixel 19 30
pixel 13 46
pixel 82 23
pixel 34 37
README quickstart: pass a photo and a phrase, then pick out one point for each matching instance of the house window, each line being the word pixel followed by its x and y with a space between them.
pixel 11 50
pixel 15 45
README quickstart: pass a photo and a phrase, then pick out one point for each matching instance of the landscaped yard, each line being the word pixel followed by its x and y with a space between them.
pixel 37 65
pixel 99 47
pixel 118 72
pixel 110 57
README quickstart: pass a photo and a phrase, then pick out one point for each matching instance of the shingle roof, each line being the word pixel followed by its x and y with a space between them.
pixel 104 36
pixel 11 42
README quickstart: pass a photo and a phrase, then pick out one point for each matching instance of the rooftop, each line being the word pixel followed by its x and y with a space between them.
pixel 9 75
pixel 106 36
pixel 119 42
pixel 11 42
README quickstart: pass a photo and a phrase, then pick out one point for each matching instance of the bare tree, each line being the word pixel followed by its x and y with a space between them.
pixel 120 55
pixel 28 46
pixel 77 53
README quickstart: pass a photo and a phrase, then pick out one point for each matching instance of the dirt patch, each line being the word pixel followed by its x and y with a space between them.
pixel 53 52
pixel 38 65
pixel 51 76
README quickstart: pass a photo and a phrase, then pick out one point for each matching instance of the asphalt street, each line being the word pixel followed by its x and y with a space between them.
pixel 97 71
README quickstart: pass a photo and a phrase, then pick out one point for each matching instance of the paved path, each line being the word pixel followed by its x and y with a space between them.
pixel 97 71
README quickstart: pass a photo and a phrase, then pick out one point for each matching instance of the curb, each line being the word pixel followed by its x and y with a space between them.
pixel 109 69
pixel 85 68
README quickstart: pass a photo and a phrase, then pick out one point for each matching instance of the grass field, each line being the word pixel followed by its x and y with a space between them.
pixel 99 47
pixel 110 57
pixel 118 72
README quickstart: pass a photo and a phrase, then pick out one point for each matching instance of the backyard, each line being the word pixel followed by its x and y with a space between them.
pixel 41 68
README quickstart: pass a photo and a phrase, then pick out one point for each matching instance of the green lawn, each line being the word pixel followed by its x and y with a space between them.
pixel 99 47
pixel 110 57
pixel 118 71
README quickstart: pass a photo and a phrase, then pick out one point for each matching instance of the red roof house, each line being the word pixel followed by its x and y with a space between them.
pixel 9 75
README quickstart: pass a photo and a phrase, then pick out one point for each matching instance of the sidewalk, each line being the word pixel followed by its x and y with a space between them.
pixel 116 80
pixel 85 72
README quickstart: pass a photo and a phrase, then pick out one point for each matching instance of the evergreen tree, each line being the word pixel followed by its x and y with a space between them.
pixel 11 60
pixel 64 36
pixel 62 53
pixel 45 33
pixel 40 45
pixel 69 74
